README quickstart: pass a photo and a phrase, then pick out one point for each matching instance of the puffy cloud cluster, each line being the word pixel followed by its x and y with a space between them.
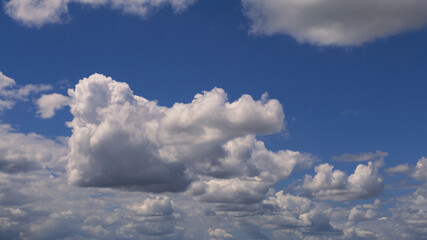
pixel 206 153
pixel 10 92
pixel 335 22
pixel 364 212
pixel 329 184
pixel 40 12
pixel 163 149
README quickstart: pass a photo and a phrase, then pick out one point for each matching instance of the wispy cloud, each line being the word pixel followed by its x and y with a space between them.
pixel 361 157
pixel 10 93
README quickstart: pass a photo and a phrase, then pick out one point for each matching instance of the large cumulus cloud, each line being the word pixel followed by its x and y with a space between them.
pixel 123 140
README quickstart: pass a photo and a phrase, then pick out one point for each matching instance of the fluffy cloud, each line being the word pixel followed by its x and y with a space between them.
pixel 48 103
pixel 26 152
pixel 335 22
pixel 163 149
pixel 420 170
pixel 10 92
pixel 410 215
pixel 40 12
pixel 230 173
pixel 329 184
pixel 218 234
pixel 364 212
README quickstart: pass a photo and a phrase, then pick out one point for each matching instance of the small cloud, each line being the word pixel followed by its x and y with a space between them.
pixel 420 170
pixel 48 103
pixel 361 157
pixel 329 184
pixel 350 113
pixel 401 168
pixel 10 93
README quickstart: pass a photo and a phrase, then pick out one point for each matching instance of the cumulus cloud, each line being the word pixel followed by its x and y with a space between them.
pixel 212 148
pixel 420 170
pixel 154 217
pixel 335 22
pixel 329 184
pixel 364 212
pixel 218 234
pixel 26 152
pixel 10 92
pixel 411 214
pixel 48 103
pixel 162 149
pixel 40 12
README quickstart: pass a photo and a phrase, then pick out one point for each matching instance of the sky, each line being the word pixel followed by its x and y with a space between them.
pixel 213 119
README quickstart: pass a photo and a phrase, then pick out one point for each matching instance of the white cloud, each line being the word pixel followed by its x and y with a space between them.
pixel 26 152
pixel 329 184
pixel 359 214
pixel 48 103
pixel 420 170
pixel 154 206
pixel 237 191
pixel 116 132
pixel 41 12
pixel 218 234
pixel 232 175
pixel 401 168
pixel 410 214
pixel 335 22
pixel 362 157
pixel 10 92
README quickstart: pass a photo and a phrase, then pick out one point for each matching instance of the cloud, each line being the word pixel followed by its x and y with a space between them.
pixel 154 217
pixel 420 170
pixel 26 152
pixel 218 234
pixel 364 212
pixel 335 22
pixel 361 157
pixel 401 168
pixel 48 103
pixel 10 92
pixel 329 184
pixel 41 12
pixel 162 149
pixel 230 176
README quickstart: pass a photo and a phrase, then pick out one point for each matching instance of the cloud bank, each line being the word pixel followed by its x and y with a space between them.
pixel 213 178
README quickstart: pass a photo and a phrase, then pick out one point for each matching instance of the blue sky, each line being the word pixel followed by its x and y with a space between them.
pixel 355 88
